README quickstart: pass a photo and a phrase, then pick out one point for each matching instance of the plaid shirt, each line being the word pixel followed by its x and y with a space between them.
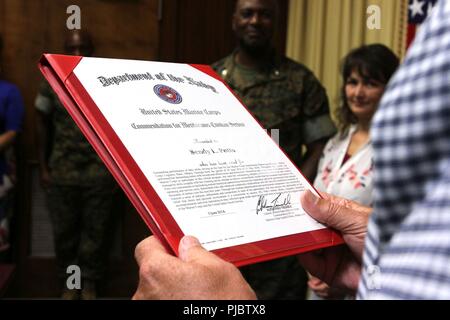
pixel 407 253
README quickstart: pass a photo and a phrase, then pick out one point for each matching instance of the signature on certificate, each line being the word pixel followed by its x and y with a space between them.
pixel 269 206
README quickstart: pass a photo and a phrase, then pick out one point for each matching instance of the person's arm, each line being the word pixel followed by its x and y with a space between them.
pixel 311 159
pixel 42 132
pixel 316 125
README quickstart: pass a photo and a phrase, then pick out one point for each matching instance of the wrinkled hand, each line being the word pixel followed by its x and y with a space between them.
pixel 340 266
pixel 197 273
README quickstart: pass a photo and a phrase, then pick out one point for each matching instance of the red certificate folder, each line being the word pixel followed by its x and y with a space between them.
pixel 58 71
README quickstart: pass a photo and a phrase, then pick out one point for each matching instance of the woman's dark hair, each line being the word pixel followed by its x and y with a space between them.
pixel 375 62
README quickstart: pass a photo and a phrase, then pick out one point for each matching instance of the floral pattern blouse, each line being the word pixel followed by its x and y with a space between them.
pixel 354 178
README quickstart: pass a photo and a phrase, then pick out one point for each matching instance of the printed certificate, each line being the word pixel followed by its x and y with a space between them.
pixel 190 156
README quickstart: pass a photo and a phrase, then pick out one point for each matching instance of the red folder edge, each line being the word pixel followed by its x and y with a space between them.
pixel 58 70
pixel 62 65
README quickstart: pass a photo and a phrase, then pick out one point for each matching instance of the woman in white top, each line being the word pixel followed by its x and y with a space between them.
pixel 345 168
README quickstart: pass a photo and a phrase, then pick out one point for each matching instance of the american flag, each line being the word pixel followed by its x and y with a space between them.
pixel 418 10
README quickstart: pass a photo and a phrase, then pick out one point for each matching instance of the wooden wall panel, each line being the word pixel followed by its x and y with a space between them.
pixel 199 31
pixel 120 29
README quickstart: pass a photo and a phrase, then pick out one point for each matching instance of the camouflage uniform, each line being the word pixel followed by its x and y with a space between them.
pixel 284 96
pixel 80 195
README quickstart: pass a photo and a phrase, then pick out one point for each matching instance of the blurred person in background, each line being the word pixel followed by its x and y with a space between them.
pixel 80 189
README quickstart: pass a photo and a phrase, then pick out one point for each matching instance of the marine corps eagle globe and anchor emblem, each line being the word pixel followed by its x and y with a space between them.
pixel 167 94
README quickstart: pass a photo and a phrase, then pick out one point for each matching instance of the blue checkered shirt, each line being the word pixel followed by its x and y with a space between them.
pixel 407 253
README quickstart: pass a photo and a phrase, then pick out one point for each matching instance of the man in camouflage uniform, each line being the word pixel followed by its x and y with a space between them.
pixel 284 95
pixel 79 187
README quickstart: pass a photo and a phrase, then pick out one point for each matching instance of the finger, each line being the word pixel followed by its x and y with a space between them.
pixel 346 203
pixel 148 246
pixel 328 212
pixel 322 287
pixel 186 244
pixel 315 286
pixel 190 250
pixel 314 281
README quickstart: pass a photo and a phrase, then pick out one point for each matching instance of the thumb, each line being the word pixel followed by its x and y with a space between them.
pixel 190 249
pixel 328 212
